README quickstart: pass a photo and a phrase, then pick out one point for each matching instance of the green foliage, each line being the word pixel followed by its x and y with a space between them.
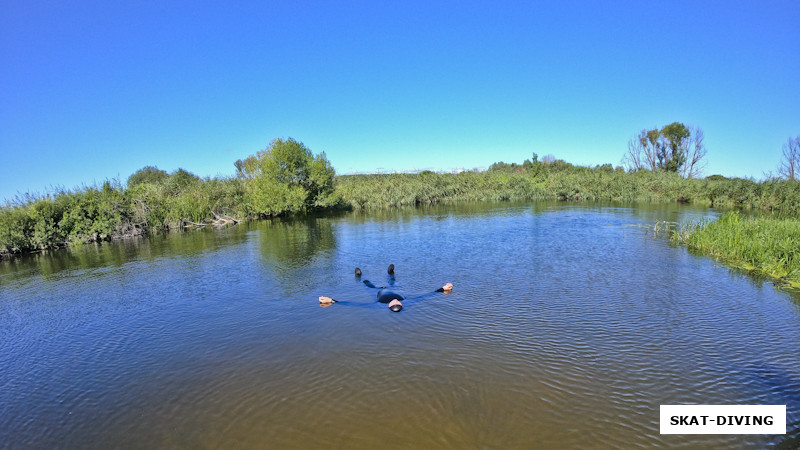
pixel 239 164
pixel 147 174
pixel 503 167
pixel 93 215
pixel 672 154
pixel 46 214
pixel 110 212
pixel 172 205
pixel 64 218
pixel 174 182
pixel 180 179
pixel 287 177
pixel 16 229
pixel 561 180
pixel 608 168
pixel 765 244
pixel 673 148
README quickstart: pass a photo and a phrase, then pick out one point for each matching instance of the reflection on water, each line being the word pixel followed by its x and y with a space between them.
pixel 288 244
pixel 569 325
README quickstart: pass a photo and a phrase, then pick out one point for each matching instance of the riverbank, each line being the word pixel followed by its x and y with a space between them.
pixel 563 181
pixel 112 211
pixel 765 245
pixel 183 201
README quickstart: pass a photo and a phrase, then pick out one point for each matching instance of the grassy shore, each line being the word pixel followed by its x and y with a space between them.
pixel 112 211
pixel 566 182
pixel 182 200
pixel 767 245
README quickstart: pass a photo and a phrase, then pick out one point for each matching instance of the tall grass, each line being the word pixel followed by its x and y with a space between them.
pixel 157 206
pixel 764 244
pixel 566 183
pixel 182 200
pixel 382 191
pixel 103 213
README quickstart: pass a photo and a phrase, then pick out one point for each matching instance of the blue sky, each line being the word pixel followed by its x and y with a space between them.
pixel 97 90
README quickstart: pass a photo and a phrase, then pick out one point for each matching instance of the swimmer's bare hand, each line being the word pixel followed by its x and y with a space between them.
pixel 323 300
pixel 448 287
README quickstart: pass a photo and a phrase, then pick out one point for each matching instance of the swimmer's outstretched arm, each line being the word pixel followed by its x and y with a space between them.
pixel 325 301
pixel 447 288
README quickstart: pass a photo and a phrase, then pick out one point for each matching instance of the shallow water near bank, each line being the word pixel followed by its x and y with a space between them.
pixel 569 325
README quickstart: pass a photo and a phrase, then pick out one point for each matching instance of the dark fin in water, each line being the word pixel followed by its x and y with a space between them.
pixel 390 270
pixel 358 272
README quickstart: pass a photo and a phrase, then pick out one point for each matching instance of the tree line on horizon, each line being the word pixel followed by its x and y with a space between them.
pixel 287 177
pixel 676 148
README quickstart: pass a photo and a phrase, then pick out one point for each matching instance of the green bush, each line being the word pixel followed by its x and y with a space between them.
pixel 286 177
pixel 147 174
pixel 16 229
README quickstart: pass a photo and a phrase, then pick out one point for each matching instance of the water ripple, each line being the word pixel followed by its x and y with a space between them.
pixel 567 328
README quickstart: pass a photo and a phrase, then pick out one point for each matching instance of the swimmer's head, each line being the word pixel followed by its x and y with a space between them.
pixel 390 270
pixel 395 305
pixel 358 272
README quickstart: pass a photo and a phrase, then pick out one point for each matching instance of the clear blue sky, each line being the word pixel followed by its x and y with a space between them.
pixel 96 89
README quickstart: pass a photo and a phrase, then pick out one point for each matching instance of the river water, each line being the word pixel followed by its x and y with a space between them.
pixel 568 326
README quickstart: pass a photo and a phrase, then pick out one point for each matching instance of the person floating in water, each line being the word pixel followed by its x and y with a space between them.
pixel 384 295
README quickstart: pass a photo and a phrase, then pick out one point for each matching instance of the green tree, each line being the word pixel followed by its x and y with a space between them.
pixel 183 178
pixel 239 164
pixel 287 177
pixel 672 154
pixel 147 174
pixel 673 148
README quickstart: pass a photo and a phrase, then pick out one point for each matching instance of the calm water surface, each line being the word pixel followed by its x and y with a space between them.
pixel 569 325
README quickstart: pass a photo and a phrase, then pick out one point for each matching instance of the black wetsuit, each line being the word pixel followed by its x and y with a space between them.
pixel 386 296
